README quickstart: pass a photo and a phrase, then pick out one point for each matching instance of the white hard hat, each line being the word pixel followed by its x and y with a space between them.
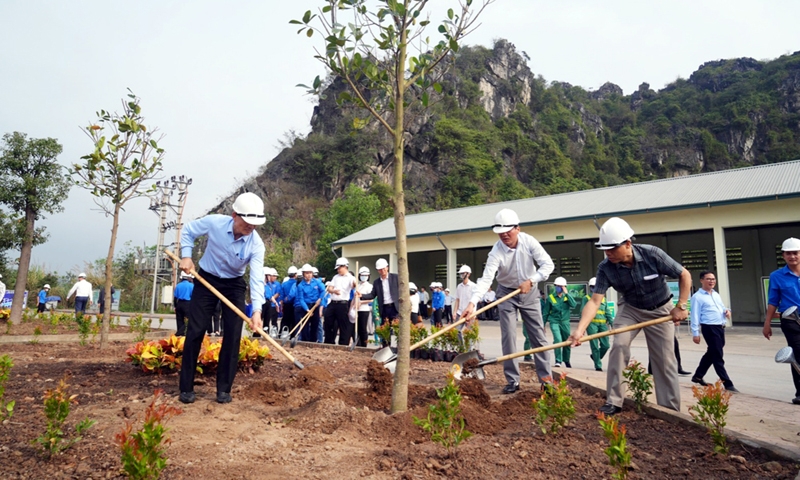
pixel 505 220
pixel 315 270
pixel 273 272
pixel 446 289
pixel 381 264
pixel 342 262
pixel 412 286
pixel 465 269
pixel 307 268
pixel 46 285
pixel 614 233
pixel 561 282
pixel 592 281
pixel 791 245
pixel 250 208
pixel 185 275
pixel 81 275
pixel 363 270
pixel 292 270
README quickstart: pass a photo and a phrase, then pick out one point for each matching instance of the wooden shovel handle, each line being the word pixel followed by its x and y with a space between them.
pixel 567 343
pixel 465 319
pixel 306 316
pixel 238 312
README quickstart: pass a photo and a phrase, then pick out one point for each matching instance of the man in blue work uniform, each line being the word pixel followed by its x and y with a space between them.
pixel 784 292
pixel 437 303
pixel 232 245
pixel 43 298
pixel 183 294
pixel 288 290
pixel 272 294
pixel 307 292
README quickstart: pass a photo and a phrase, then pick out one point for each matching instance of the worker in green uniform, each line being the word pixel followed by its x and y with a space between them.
pixel 556 310
pixel 603 320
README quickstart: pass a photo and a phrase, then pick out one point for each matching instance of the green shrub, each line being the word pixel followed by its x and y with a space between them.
pixel 711 412
pixel 6 408
pixel 555 407
pixel 617 451
pixel 639 383
pixel 57 405
pixel 444 422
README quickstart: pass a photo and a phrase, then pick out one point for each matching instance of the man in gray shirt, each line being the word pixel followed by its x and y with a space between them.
pixel 638 273
pixel 512 260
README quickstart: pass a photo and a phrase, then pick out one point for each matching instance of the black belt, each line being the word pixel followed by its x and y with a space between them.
pixel 340 301
pixel 659 305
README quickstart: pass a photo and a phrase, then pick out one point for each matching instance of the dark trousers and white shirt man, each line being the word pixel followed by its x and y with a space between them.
pixel 710 316
pixel 232 245
pixel 512 260
pixel 638 273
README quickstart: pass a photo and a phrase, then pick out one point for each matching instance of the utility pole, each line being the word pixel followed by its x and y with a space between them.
pixel 158 204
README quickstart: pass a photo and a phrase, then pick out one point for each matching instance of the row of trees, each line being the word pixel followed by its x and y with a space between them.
pixel 124 160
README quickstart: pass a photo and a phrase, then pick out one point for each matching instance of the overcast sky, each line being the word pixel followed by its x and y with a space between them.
pixel 218 78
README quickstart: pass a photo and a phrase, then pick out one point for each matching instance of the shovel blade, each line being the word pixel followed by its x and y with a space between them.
pixel 457 366
pixel 383 355
pixel 784 355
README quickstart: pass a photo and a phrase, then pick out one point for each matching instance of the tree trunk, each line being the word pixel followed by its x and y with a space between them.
pixel 109 279
pixel 17 303
pixel 400 384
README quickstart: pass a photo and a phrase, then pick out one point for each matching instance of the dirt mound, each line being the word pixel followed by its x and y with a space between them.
pixel 379 378
pixel 399 429
pixel 327 415
pixel 480 421
pixel 313 377
pixel 473 389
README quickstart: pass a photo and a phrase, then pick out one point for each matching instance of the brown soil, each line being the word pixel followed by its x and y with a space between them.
pixel 60 328
pixel 331 420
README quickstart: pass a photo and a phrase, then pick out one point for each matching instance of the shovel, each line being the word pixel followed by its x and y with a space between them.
pixel 389 358
pixel 236 310
pixel 304 321
pixel 457 367
pixel 293 330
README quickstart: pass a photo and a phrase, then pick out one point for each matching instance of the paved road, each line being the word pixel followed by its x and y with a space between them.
pixel 749 358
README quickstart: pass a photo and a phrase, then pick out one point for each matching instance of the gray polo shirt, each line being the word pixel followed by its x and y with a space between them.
pixel 644 285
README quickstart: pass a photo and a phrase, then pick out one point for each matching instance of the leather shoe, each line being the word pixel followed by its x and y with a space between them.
pixel 699 381
pixel 511 388
pixel 187 397
pixel 224 397
pixel 732 389
pixel 683 372
pixel 610 409
pixel 796 400
pixel 598 369
pixel 568 365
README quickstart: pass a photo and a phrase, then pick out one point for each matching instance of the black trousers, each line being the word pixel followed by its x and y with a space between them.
pixel 361 339
pixel 337 322
pixel 714 335
pixel 448 314
pixel 288 321
pixel 181 312
pixel 201 308
pixel 272 315
pixel 309 333
pixel 437 317
pixel 791 330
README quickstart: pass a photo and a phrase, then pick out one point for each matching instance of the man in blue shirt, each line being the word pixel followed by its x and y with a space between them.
pixel 287 299
pixel 437 303
pixel 784 292
pixel 307 292
pixel 183 294
pixel 43 298
pixel 232 245
pixel 272 294
pixel 710 316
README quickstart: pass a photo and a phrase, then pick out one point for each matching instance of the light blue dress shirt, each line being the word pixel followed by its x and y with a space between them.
pixel 708 309
pixel 225 256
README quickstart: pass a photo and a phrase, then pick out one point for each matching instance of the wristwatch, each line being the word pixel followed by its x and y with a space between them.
pixel 682 306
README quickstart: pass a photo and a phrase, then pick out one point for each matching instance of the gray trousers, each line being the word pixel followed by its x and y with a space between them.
pixel 661 349
pixel 531 312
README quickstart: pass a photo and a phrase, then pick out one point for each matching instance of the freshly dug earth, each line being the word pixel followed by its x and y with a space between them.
pixel 330 421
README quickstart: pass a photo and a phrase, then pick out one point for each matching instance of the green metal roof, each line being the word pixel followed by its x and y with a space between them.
pixel 740 185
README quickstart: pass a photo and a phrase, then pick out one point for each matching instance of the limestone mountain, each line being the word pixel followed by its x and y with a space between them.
pixel 498 132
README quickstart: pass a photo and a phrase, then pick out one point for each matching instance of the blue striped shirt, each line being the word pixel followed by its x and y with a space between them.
pixel 707 309
pixel 784 289
pixel 225 256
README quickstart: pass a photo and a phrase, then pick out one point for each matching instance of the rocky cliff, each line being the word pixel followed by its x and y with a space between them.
pixel 499 132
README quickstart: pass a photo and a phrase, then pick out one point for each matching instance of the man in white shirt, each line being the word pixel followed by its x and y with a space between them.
pixel 464 290
pixel 83 294
pixel 512 260
pixel 488 298
pixel 448 306
pixel 710 315
pixel 336 313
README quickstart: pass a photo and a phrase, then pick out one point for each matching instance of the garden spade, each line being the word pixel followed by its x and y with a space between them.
pixel 476 370
pixel 303 322
pixel 238 312
pixel 293 330
pixel 389 358
pixel 785 355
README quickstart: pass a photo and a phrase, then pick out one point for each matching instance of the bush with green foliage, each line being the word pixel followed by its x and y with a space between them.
pixel 640 383
pixel 554 408
pixel 617 451
pixel 445 422
pixel 57 405
pixel 6 408
pixel 711 412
